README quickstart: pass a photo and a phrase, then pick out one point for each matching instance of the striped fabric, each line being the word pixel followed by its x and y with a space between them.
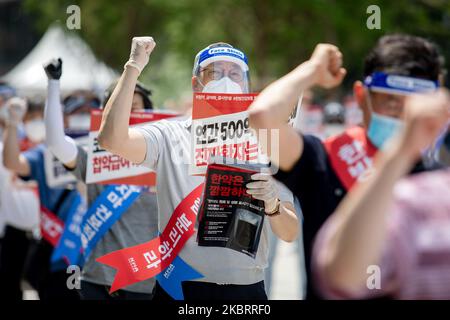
pixel 416 258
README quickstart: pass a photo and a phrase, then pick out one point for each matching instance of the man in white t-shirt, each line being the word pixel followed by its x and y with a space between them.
pixel 165 147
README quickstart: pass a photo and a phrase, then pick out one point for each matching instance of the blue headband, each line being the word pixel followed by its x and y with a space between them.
pixel 395 84
pixel 7 91
pixel 71 104
pixel 221 53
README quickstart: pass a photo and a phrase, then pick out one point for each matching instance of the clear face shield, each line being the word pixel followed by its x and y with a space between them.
pixel 222 69
pixel 390 91
pixel 223 77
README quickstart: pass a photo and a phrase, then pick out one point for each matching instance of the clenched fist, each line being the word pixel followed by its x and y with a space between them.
pixel 53 69
pixel 327 62
pixel 17 107
pixel 141 48
pixel 425 117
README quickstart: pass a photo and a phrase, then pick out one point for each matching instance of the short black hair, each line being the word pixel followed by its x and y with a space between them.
pixel 140 89
pixel 35 104
pixel 405 55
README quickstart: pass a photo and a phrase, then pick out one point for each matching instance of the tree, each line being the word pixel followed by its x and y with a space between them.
pixel 276 35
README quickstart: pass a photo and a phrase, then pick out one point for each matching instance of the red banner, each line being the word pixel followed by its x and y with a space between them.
pixel 144 261
pixel 51 226
pixel 220 128
pixel 207 105
pixel 351 155
pixel 106 168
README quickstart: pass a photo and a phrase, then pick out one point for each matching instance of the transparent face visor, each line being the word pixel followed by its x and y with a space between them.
pixel 391 86
pixel 223 72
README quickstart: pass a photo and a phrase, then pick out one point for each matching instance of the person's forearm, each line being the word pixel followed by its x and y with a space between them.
pixel 285 225
pixel 359 231
pixel 275 103
pixel 63 147
pixel 11 150
pixel 114 127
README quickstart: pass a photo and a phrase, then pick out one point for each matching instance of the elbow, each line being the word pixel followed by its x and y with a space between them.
pixel 289 239
pixel 259 119
pixel 340 276
pixel 9 164
pixel 290 236
pixel 288 233
pixel 106 142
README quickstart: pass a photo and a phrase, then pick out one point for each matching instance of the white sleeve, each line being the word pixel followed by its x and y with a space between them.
pixel 63 147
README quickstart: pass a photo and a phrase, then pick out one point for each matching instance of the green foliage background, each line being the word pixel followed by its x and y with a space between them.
pixel 276 35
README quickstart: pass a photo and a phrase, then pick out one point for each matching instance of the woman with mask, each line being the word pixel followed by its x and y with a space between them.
pixel 219 68
pixel 321 173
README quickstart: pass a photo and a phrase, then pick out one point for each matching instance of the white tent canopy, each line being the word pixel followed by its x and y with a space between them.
pixel 81 69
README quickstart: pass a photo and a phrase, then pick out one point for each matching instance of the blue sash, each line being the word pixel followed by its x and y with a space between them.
pixel 104 212
pixel 83 229
pixel 69 245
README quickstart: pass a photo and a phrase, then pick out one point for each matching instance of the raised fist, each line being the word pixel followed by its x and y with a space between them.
pixel 425 117
pixel 17 107
pixel 53 69
pixel 141 48
pixel 327 62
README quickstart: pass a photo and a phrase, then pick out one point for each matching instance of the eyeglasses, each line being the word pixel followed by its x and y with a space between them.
pixel 217 73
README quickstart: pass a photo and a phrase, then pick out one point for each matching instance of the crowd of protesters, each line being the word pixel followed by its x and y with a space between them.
pixel 372 197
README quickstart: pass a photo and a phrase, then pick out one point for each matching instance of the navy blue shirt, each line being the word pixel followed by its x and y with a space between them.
pixel 57 200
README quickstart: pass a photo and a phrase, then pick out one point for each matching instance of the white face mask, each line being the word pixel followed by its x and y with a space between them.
pixel 224 85
pixel 35 130
pixel 81 122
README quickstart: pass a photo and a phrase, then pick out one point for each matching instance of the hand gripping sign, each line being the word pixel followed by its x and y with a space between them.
pixel 147 260
pixel 220 128
pixel 104 167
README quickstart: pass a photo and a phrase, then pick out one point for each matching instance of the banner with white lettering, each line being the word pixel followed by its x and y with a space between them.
pixel 220 128
pixel 104 167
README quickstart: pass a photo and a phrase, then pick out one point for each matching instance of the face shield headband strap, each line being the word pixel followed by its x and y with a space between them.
pixel 210 55
pixel 395 84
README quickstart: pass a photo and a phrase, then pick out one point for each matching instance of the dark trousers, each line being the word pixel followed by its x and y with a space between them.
pixel 50 285
pixel 13 255
pixel 92 291
pixel 196 291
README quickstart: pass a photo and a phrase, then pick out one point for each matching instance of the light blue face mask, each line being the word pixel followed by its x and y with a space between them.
pixel 382 129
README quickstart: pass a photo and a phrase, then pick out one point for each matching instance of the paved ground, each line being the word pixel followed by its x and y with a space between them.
pixel 287 281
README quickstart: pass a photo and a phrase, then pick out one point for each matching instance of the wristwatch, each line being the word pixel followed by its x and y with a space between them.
pixel 275 211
